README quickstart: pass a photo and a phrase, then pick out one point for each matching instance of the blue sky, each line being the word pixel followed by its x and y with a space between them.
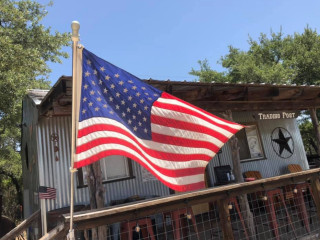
pixel 164 39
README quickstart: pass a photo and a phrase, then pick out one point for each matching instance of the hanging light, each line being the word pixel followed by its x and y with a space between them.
pixel 137 228
pixel 188 215
pixel 230 206
pixel 265 198
pixel 295 190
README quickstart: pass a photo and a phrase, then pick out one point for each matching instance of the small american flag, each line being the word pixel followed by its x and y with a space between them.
pixel 47 192
pixel 122 115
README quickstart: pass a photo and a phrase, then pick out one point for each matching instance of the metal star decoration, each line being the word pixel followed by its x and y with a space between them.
pixel 282 141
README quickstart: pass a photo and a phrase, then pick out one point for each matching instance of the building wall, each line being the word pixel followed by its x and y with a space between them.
pixel 273 165
pixel 53 144
pixel 54 139
pixel 29 157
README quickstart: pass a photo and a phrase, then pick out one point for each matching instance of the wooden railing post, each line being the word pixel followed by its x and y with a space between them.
pixel 315 186
pixel 225 221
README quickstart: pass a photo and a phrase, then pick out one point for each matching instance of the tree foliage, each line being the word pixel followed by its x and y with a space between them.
pixel 291 59
pixel 26 46
pixel 308 137
pixel 206 74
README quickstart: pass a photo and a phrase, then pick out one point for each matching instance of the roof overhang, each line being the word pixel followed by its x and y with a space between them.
pixel 213 97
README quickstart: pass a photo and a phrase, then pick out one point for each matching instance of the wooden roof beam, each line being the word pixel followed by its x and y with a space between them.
pixel 219 106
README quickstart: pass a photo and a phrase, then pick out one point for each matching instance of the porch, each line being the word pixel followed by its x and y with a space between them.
pixel 282 207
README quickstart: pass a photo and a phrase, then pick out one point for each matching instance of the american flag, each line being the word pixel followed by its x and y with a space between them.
pixel 47 192
pixel 122 115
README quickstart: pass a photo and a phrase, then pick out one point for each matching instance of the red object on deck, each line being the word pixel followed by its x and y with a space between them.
pixel 176 219
pixel 250 179
pixel 144 223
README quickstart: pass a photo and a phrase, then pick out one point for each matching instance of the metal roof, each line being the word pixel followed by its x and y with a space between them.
pixel 212 97
pixel 37 95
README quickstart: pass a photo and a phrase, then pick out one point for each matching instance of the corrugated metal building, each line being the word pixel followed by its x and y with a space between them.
pixel 46 139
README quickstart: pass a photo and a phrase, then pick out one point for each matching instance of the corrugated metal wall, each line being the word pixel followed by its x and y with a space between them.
pixel 56 168
pixel 273 165
pixel 56 165
pixel 28 147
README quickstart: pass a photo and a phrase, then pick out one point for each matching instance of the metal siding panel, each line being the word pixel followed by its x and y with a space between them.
pixel 56 173
pixel 273 165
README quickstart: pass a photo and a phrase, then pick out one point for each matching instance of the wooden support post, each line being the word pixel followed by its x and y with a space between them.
pixel 225 221
pixel 315 123
pixel 243 200
pixel 96 190
pixel 234 151
pixel 315 186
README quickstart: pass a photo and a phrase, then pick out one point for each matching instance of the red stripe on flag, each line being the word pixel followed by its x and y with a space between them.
pixel 187 126
pixel 178 141
pixel 159 155
pixel 151 152
pixel 195 113
pixel 103 154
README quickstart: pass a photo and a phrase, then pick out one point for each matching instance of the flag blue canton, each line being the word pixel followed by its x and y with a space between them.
pixel 110 92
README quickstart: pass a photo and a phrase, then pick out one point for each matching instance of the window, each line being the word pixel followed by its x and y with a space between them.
pixel 250 143
pixel 113 168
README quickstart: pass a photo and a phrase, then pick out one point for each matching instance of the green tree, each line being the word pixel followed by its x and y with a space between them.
pixel 26 46
pixel 292 59
pixel 206 74
pixel 308 138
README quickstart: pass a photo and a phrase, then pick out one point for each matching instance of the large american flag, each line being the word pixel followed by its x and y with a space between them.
pixel 121 115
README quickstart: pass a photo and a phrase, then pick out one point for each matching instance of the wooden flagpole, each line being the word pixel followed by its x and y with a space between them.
pixel 75 39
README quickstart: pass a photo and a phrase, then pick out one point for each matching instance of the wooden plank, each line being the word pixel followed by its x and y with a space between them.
pixel 144 208
pixel 62 234
pixel 21 227
pixel 54 232
pixel 288 93
pixel 219 106
pixel 225 220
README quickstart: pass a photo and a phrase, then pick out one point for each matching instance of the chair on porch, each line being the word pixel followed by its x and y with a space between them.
pixel 178 218
pixel 269 203
pixel 293 168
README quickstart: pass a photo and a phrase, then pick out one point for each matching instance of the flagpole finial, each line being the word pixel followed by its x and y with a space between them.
pixel 75 25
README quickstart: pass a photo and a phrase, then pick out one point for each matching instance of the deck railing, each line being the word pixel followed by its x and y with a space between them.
pixel 20 231
pixel 282 207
